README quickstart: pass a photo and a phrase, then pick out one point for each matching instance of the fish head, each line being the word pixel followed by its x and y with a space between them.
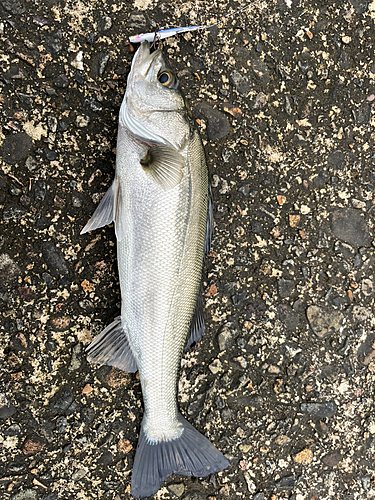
pixel 154 109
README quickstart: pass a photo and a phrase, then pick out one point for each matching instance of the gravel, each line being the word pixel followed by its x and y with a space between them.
pixel 282 381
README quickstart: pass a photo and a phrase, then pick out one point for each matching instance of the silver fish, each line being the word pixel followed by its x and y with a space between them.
pixel 160 204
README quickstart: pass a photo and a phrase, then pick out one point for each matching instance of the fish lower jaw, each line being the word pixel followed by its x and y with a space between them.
pixel 156 433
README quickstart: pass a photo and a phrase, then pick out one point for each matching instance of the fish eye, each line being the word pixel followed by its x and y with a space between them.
pixel 167 79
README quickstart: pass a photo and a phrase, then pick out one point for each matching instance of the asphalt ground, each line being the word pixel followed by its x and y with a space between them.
pixel 283 380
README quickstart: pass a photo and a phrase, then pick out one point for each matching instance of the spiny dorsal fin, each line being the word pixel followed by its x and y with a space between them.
pixel 164 166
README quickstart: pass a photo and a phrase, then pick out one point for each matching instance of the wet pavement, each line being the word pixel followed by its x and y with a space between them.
pixel 283 380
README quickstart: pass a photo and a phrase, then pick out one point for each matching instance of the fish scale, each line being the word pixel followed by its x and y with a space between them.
pixel 159 203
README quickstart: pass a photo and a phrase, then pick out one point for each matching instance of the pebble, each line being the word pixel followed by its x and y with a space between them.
pixel 8 268
pixel 105 23
pixel 7 411
pixel 360 313
pixel 252 401
pixel 194 496
pixel 259 102
pixel 358 204
pixel 76 201
pixel 288 317
pixel 366 351
pixel 13 430
pixel 332 459
pixel 61 425
pixel 79 474
pixel 324 321
pixel 75 362
pixel 116 378
pixel 77 62
pixel 336 160
pixel 124 446
pixel 137 20
pixel 282 440
pixel 106 458
pixel 250 484
pixel 54 258
pixel 261 70
pixel 40 189
pixel 82 121
pixel 215 367
pixel 27 494
pixel 225 338
pixel 16 147
pixel 294 220
pixel 60 402
pixel 285 483
pixel 60 323
pixel 61 81
pixel 91 37
pixel 33 445
pixel 217 123
pixel 360 6
pixel 366 482
pixel 240 82
pixel 367 287
pixel 259 496
pixel 52 123
pixel 177 489
pixel 304 457
pixel 281 199
pixel 31 163
pixel 319 410
pixel 14 6
pixel 50 154
pixel 362 115
pixel 102 63
pixel 13 212
pixel 285 287
pixel 348 225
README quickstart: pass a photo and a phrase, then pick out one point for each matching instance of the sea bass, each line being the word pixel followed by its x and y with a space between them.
pixel 160 205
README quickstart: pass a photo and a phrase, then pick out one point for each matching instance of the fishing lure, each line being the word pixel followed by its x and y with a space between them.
pixel 163 33
pixel 167 32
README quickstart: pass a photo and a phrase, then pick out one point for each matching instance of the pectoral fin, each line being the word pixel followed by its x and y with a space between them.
pixel 109 209
pixel 164 165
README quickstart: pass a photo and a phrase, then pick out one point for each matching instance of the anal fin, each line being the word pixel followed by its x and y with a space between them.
pixel 111 347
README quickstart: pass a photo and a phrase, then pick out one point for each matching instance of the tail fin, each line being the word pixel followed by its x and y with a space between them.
pixel 190 454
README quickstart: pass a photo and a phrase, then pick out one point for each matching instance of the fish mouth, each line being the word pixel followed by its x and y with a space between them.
pixel 145 60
